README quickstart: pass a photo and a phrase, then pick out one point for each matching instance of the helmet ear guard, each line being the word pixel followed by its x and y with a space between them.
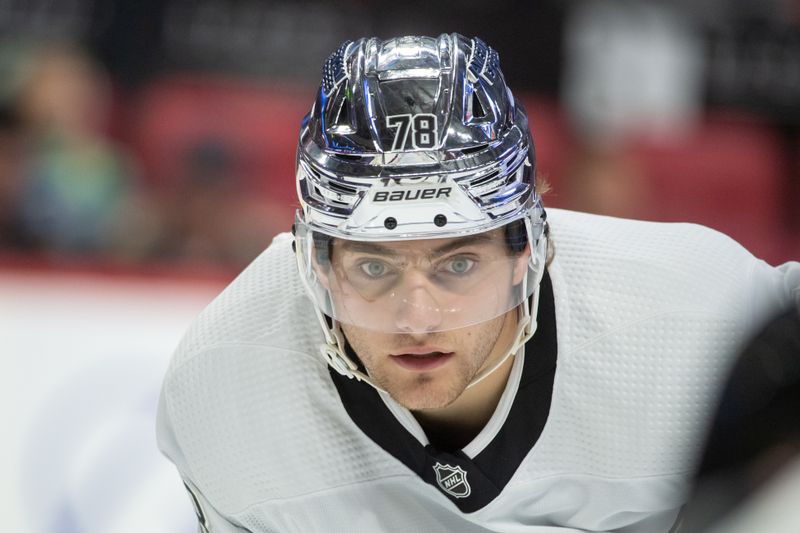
pixel 414 139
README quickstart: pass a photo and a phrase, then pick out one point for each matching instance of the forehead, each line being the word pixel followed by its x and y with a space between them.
pixel 487 239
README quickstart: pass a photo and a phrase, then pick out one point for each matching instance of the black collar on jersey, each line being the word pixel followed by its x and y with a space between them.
pixel 470 484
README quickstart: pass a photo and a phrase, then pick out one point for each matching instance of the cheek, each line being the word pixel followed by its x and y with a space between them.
pixel 480 340
pixel 365 343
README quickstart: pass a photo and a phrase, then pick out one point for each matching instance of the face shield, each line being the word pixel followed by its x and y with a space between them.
pixel 417 286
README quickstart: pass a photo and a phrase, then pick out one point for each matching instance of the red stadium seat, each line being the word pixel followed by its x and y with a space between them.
pixel 258 124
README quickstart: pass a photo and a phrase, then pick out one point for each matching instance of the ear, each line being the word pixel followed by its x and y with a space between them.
pixel 521 265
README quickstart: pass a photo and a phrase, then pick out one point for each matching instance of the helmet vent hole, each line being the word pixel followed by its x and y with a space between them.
pixel 477 109
pixel 343 116
pixel 473 149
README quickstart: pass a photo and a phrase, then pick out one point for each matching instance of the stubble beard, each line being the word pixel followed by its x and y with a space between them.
pixel 426 390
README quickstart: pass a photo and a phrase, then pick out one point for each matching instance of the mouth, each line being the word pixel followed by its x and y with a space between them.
pixel 421 359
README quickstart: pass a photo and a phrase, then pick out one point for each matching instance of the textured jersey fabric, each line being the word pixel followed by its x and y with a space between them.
pixel 473 476
pixel 648 318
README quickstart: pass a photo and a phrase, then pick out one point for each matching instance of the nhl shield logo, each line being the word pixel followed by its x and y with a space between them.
pixel 452 480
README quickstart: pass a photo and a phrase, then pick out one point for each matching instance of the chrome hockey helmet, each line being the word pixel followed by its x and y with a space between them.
pixel 414 140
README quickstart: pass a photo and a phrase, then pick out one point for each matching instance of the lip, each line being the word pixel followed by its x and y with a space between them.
pixel 418 350
pixel 412 358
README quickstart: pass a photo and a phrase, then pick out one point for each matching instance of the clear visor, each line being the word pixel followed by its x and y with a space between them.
pixel 413 286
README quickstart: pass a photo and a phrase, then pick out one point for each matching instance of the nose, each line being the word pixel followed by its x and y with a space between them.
pixel 418 311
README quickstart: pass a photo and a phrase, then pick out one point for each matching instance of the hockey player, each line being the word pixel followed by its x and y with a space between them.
pixel 489 367
pixel 749 477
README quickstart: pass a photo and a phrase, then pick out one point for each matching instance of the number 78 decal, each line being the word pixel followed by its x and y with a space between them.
pixel 422 129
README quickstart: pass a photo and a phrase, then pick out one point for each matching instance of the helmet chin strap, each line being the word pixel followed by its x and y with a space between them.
pixel 526 315
pixel 332 350
pixel 334 353
pixel 526 327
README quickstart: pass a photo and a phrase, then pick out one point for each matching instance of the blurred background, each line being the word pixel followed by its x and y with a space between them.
pixel 147 154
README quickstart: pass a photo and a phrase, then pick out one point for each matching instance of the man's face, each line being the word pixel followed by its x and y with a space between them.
pixel 425 317
pixel 426 371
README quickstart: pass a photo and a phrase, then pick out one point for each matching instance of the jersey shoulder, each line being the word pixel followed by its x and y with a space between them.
pixel 264 306
pixel 649 316
pixel 248 412
pixel 628 239
pixel 683 265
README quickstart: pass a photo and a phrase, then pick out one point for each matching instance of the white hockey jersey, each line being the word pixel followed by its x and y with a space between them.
pixel 596 430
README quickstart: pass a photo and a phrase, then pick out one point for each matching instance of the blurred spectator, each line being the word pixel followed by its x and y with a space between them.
pixel 11 236
pixel 74 194
pixel 632 70
pixel 211 216
pixel 76 183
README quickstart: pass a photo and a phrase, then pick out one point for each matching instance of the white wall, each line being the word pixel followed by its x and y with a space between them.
pixel 81 361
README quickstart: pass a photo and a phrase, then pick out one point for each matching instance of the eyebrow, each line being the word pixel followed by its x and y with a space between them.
pixel 462 242
pixel 367 248
pixel 379 249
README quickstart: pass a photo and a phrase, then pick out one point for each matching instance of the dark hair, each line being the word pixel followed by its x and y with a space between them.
pixel 516 235
pixel 323 248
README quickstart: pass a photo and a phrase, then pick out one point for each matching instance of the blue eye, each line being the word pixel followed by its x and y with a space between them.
pixel 460 265
pixel 373 269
